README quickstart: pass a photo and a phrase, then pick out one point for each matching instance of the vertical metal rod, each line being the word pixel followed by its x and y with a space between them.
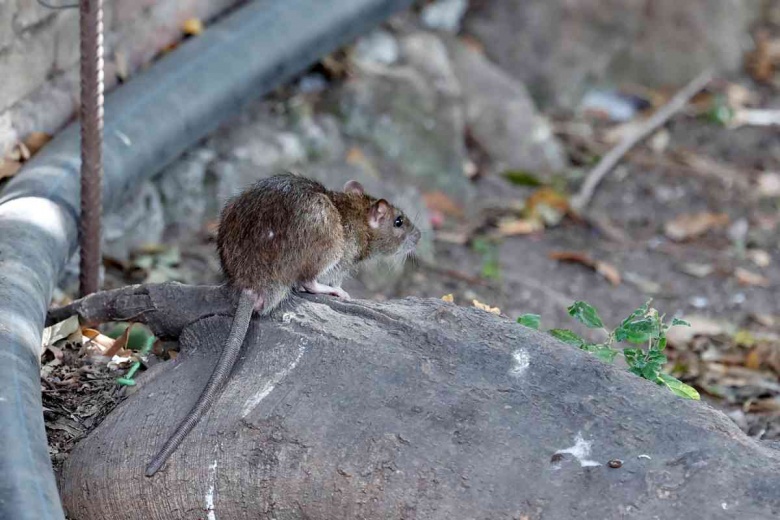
pixel 91 27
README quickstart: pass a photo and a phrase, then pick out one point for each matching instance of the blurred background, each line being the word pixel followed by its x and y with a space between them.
pixel 482 119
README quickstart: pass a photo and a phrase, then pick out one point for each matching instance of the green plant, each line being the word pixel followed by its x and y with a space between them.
pixel 488 249
pixel 643 326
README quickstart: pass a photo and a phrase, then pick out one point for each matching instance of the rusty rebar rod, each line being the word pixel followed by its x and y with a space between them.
pixel 91 26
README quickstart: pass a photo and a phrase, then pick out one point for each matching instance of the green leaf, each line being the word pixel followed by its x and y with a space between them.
pixel 650 372
pixel 601 351
pixel 488 249
pixel 530 320
pixel 521 178
pixel 678 321
pixel 633 356
pixel 656 357
pixel 639 313
pixel 137 337
pixel 679 388
pixel 637 331
pixel 586 314
pixel 566 336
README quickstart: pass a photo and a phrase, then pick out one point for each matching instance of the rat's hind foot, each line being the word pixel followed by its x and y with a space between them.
pixel 319 288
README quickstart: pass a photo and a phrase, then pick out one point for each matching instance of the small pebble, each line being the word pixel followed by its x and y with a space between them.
pixel 615 463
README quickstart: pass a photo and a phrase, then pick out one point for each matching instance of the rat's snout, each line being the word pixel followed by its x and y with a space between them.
pixel 412 239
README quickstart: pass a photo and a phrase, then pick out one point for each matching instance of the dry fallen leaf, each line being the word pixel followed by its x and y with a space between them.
pixel 710 167
pixel 547 205
pixel 753 360
pixel 659 142
pixel 605 269
pixel 19 153
pixel 755 117
pixel 120 344
pixel 759 257
pixel 769 184
pixel 739 96
pixel 96 343
pixel 192 27
pixel 511 227
pixel 684 227
pixel 449 298
pixel 58 331
pixel 9 168
pixel 440 201
pixel 35 141
pixel 453 237
pixel 357 157
pixel 608 271
pixel 745 277
pixel 697 270
pixel 762 63
pixel 700 326
pixel 484 307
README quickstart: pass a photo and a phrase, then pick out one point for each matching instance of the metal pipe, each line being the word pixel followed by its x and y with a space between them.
pixel 91 26
pixel 149 122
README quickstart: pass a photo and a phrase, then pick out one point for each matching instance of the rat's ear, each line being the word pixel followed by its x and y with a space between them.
pixel 354 187
pixel 379 211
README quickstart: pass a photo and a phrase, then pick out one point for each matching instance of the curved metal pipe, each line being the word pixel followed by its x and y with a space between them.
pixel 148 123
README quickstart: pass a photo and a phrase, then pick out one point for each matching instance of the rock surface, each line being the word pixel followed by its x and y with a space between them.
pixel 561 48
pixel 408 409
pixel 502 116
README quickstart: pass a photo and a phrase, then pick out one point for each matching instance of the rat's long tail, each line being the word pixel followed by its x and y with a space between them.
pixel 218 379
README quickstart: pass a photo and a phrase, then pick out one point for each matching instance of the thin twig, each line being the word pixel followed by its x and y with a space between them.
pixel 609 161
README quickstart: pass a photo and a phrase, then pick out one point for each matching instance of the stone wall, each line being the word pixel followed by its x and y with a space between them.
pixel 39 53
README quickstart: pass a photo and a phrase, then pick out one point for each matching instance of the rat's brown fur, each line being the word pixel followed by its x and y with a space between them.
pixel 288 230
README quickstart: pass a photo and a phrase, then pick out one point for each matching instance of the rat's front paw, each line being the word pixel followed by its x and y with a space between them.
pixel 341 293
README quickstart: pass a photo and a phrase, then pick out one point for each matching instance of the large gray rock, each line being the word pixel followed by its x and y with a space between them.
pixel 407 409
pixel 502 116
pixel 560 48
pixel 411 119
pixel 183 190
pixel 139 221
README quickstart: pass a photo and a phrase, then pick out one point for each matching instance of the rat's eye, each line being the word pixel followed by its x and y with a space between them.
pixel 399 221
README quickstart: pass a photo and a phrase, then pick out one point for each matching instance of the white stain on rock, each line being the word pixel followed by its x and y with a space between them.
pixel 580 451
pixel 521 362
pixel 210 513
pixel 269 386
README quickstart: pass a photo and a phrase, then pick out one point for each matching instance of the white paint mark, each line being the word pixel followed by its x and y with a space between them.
pixel 269 386
pixel 211 514
pixel 522 361
pixel 123 137
pixel 580 451
pixel 724 505
pixel 644 456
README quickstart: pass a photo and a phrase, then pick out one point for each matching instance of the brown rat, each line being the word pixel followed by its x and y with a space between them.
pixel 288 232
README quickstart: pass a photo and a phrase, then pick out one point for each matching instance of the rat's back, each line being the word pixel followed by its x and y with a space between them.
pixel 282 231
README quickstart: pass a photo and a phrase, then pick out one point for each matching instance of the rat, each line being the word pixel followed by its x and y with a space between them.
pixel 289 232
